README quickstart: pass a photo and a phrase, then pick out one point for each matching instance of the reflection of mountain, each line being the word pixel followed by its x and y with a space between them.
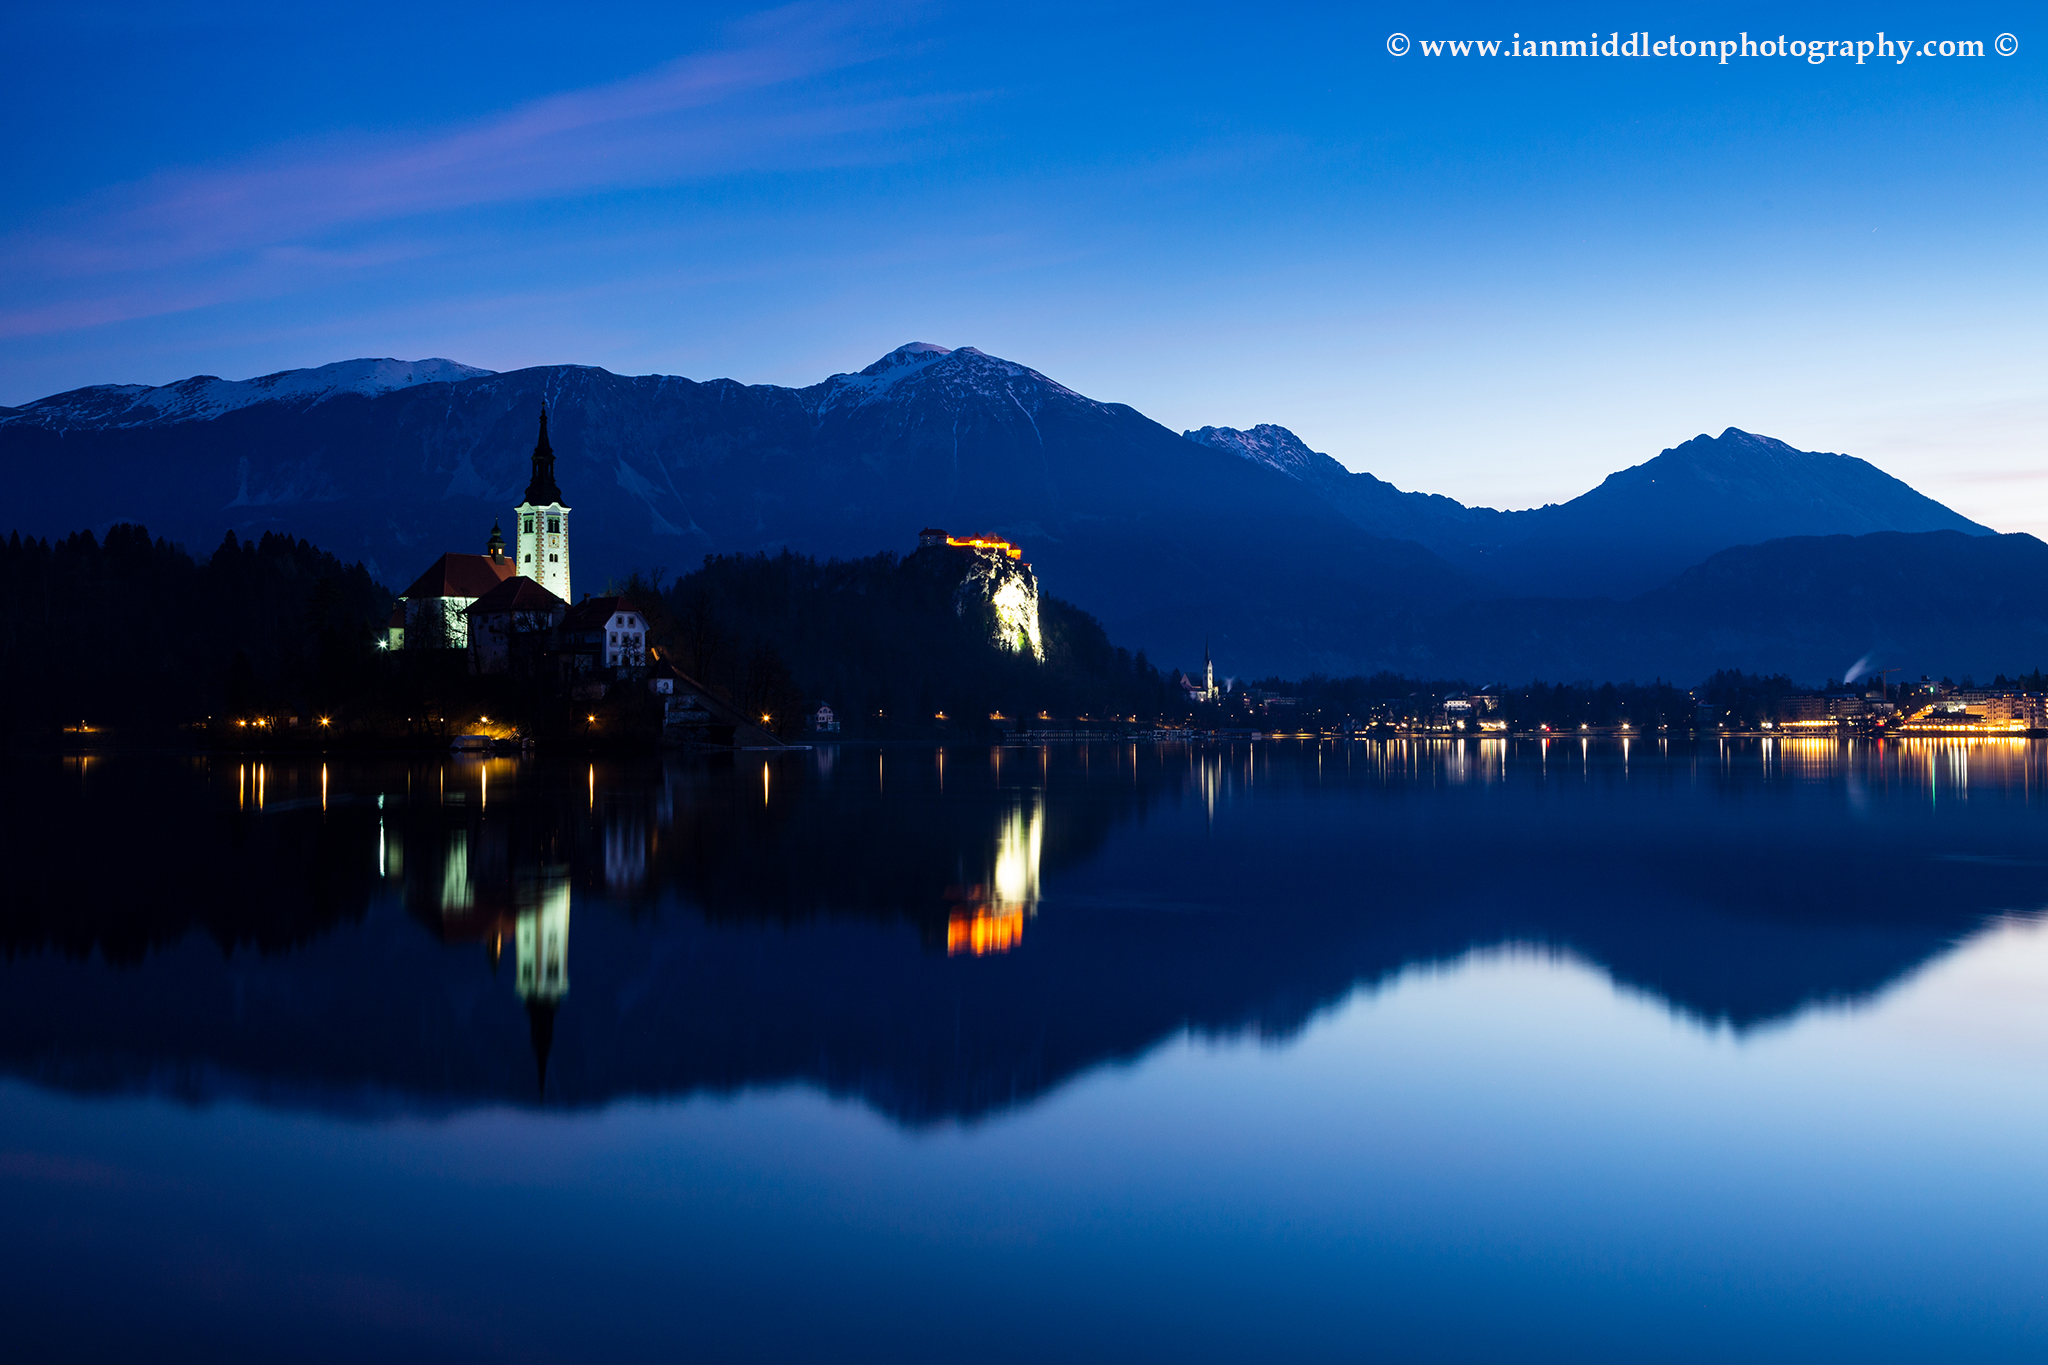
pixel 732 930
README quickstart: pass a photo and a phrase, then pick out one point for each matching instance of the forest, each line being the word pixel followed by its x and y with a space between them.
pixel 125 630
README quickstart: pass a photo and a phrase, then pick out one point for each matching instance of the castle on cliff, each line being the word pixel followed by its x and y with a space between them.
pixel 994 579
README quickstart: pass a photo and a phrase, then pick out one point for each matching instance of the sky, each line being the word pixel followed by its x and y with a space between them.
pixel 1498 278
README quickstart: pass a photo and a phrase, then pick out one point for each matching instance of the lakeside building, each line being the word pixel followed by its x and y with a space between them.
pixel 1473 712
pixel 1827 711
pixel 603 633
pixel 1977 711
pixel 1926 708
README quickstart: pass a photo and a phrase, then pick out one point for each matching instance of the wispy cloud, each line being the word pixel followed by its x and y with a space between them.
pixel 189 237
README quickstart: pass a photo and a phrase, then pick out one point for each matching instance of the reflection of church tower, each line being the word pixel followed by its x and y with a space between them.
pixel 541 943
pixel 544 523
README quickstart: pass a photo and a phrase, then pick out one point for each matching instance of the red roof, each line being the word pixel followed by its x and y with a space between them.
pixel 518 593
pixel 461 576
pixel 593 612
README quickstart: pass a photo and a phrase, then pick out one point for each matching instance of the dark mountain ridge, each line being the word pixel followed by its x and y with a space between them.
pixel 1280 558
pixel 1634 531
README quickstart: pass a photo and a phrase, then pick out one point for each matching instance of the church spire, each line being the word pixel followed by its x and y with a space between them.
pixel 495 546
pixel 542 490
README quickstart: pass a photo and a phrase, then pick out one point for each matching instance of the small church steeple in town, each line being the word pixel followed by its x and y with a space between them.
pixel 543 538
pixel 495 546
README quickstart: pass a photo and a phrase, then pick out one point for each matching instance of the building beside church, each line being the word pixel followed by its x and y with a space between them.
pixel 603 632
pixel 434 608
pixel 512 627
pixel 543 540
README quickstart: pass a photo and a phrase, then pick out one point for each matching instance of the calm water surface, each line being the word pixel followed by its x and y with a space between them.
pixel 1372 1051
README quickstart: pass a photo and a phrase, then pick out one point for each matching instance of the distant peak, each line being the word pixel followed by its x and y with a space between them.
pixel 922 368
pixel 913 353
pixel 1267 444
pixel 1734 439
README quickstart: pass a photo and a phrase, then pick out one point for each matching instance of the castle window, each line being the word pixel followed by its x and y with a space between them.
pixel 529 559
pixel 554 525
pixel 526 526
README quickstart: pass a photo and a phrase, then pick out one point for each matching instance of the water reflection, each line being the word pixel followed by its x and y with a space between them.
pixel 992 912
pixel 945 934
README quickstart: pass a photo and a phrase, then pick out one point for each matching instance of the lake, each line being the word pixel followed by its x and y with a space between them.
pixel 1432 1050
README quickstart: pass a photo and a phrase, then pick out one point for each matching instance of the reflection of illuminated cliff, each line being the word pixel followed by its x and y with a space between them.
pixel 992 914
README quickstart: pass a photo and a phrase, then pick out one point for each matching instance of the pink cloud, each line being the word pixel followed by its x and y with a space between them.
pixel 186 238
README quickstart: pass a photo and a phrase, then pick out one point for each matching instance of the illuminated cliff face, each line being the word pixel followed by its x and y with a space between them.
pixel 995 576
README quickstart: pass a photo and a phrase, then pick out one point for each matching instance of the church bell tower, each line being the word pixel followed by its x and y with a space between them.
pixel 543 520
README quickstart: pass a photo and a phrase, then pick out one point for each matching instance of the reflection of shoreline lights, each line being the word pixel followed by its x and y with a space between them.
pixel 993 919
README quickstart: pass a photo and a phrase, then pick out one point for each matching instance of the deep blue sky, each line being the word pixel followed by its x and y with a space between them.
pixel 1494 279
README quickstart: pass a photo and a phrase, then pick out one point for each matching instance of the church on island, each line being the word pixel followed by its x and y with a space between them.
pixel 512 613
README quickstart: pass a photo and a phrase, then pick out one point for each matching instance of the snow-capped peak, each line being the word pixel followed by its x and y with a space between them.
pixel 205 396
pixel 1266 444
pixel 960 369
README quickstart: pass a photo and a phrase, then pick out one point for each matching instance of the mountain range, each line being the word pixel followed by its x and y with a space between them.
pixel 1280 558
